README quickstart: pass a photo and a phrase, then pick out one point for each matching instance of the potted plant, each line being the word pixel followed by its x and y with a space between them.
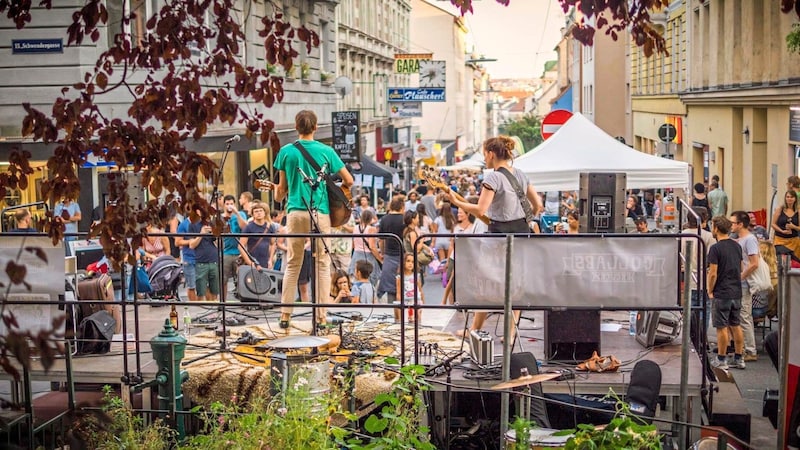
pixel 305 71
pixel 291 73
pixel 325 77
pixel 626 431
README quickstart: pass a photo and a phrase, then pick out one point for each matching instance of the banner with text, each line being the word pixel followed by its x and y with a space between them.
pixel 557 271
pixel 415 94
pixel 409 62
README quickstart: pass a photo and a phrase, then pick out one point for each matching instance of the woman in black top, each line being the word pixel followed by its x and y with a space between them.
pixel 699 198
pixel 786 223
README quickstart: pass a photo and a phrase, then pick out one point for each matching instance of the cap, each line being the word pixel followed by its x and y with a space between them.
pixel 640 219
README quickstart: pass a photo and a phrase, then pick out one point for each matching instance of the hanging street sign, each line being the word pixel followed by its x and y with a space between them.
pixel 409 62
pixel 415 94
pixel 401 110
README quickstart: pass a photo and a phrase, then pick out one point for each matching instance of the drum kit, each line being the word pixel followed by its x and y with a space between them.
pixel 540 438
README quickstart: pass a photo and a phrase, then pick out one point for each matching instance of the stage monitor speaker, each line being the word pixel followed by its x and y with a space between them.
pixel 259 285
pixel 602 202
pixel 571 335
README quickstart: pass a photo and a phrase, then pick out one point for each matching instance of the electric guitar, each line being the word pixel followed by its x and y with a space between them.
pixel 432 177
pixel 340 210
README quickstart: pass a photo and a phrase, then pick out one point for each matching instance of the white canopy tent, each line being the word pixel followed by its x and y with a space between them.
pixel 580 146
pixel 474 162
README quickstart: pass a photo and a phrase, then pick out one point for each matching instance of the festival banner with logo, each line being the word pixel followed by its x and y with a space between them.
pixel 556 271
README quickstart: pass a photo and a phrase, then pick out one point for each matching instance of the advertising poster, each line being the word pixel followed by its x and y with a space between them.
pixel 346 135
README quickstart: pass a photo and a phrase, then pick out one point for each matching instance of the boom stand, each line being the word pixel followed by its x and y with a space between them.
pixel 223 343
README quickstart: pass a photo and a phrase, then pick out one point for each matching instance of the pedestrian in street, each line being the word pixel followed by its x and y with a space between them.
pixel 68 213
pixel 498 199
pixel 740 223
pixel 235 221
pixel 23 222
pixel 391 223
pixel 365 248
pixel 290 162
pixel 699 197
pixel 206 259
pixel 725 292
pixel 188 260
pixel 717 199
pixel 786 223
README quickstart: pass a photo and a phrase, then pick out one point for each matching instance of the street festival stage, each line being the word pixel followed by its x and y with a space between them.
pixel 630 272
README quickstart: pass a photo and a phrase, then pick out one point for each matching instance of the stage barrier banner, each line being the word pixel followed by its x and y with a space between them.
pixel 569 272
pixel 46 279
pixel 792 437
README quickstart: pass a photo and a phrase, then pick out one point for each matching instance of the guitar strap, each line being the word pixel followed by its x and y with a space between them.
pixel 523 200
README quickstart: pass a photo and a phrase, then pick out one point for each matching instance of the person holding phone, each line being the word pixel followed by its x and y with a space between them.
pixel 206 259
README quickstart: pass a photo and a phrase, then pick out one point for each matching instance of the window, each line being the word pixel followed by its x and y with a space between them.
pixel 143 9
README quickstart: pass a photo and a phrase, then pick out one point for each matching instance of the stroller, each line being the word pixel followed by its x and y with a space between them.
pixel 165 274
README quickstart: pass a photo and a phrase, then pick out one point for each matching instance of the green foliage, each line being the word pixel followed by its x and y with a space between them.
pixel 793 39
pixel 280 423
pixel 625 432
pixel 118 428
pixel 397 425
pixel 528 128
pixel 522 432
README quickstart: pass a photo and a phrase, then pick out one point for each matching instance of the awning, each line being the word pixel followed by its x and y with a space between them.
pixel 371 167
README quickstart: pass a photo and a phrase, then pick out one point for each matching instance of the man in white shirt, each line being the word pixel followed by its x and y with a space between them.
pixel 740 223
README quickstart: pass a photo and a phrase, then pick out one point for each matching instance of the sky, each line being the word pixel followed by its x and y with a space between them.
pixel 521 36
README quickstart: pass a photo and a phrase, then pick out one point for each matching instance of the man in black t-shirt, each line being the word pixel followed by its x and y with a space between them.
pixel 725 292
pixel 206 261
pixel 391 223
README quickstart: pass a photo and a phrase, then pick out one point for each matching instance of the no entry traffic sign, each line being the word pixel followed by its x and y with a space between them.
pixel 553 121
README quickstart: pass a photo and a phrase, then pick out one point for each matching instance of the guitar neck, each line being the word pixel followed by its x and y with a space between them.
pixel 483 218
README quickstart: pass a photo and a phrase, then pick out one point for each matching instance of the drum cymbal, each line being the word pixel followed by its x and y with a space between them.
pixel 525 380
pixel 298 341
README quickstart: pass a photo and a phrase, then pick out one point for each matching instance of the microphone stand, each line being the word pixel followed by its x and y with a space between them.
pixel 315 229
pixel 223 343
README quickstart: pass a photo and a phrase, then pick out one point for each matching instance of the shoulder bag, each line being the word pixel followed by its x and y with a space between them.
pixel 523 200
pixel 338 199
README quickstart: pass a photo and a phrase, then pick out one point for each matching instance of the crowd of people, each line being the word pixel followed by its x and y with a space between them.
pixel 355 266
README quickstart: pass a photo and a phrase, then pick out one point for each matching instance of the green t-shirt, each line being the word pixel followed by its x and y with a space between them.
pixel 289 159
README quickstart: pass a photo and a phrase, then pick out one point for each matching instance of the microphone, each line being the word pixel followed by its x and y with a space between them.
pixel 236 138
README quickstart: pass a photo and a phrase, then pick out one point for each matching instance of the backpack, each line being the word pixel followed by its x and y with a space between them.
pixel 96 332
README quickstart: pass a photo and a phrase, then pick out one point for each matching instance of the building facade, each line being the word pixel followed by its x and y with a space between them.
pixel 369 35
pixel 442 33
pixel 38 78
pixel 655 86
pixel 741 99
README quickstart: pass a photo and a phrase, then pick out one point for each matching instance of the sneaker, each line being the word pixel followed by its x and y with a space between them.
pixel 719 364
pixel 738 363
pixel 750 357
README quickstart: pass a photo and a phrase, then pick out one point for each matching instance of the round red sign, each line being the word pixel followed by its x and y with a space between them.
pixel 553 121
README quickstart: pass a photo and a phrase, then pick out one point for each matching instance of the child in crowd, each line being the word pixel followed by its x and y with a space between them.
pixel 408 288
pixel 363 291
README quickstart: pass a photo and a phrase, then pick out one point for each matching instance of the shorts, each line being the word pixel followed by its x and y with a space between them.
pixel 207 278
pixel 229 267
pixel 305 269
pixel 726 312
pixel 190 275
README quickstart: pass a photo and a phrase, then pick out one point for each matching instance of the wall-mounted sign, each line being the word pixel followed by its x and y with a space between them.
pixel 409 62
pixel 794 125
pixel 346 137
pixel 22 46
pixel 424 149
pixel 405 109
pixel 415 95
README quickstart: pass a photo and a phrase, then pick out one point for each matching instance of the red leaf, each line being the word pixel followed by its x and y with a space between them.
pixel 16 272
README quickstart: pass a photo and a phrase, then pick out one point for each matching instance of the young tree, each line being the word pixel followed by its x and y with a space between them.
pixel 180 96
pixel 528 128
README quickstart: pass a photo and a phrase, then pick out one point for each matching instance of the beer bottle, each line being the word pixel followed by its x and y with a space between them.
pixel 173 317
